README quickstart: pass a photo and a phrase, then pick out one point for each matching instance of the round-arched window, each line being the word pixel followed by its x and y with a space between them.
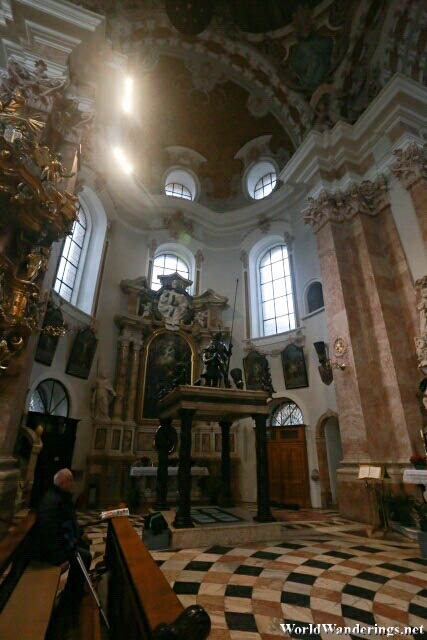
pixel 180 184
pixel 261 180
pixel 277 301
pixel 167 263
pixel 50 397
pixel 286 414
pixel 315 297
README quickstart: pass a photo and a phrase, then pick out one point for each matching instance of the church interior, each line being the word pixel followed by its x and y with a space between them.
pixel 213 305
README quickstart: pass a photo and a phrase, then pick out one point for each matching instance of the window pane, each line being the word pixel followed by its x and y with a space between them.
pixel 69 275
pixel 268 310
pixel 276 254
pixel 74 254
pixel 282 324
pixel 78 235
pixel 266 291
pixel 159 261
pixel 279 287
pixel 281 306
pixel 70 259
pixel 266 260
pixel 276 287
pixel 166 264
pixel 265 273
pixel 269 327
pixel 277 269
pixel 170 262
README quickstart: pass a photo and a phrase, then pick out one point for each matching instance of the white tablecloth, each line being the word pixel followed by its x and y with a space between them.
pixel 415 476
pixel 172 471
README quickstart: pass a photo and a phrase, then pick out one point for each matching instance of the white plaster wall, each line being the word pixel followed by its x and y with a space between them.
pixel 408 228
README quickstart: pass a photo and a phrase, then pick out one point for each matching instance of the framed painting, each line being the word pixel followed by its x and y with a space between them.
pixel 167 354
pixel 255 366
pixel 294 369
pixel 46 348
pixel 82 353
pixel 48 342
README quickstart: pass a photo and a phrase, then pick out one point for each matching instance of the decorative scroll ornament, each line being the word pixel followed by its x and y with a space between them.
pixel 368 198
pixel 411 164
pixel 178 226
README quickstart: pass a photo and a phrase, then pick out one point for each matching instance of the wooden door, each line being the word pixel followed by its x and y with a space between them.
pixel 288 466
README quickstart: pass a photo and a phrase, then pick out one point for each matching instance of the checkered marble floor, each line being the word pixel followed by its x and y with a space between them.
pixel 322 573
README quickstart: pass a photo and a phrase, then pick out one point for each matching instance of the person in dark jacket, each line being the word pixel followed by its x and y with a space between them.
pixel 58 535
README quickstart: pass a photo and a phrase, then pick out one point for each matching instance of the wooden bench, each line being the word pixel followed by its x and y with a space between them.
pixel 141 604
pixel 27 593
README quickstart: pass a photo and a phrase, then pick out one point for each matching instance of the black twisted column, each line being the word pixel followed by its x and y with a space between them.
pixel 165 441
pixel 183 514
pixel 263 494
pixel 225 499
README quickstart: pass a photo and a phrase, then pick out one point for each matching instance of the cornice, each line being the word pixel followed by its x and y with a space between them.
pixel 334 159
pixel 67 12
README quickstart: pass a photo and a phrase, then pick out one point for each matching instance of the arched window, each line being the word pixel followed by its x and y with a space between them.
pixel 70 261
pixel 314 297
pixel 181 183
pixel 277 300
pixel 50 397
pixel 261 179
pixel 286 414
pixel 178 191
pixel 264 186
pixel 166 263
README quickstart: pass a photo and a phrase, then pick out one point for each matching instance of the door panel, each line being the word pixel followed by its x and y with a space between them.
pixel 288 467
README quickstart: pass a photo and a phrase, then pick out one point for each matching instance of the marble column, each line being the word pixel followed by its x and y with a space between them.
pixel 411 169
pixel 225 499
pixel 183 515
pixel 133 380
pixel 263 491
pixel 121 378
pixel 368 298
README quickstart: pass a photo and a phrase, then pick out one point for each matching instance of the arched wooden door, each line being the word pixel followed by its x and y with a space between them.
pixel 287 458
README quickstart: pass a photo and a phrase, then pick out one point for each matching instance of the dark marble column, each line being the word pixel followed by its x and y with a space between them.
pixel 183 517
pixel 225 499
pixel 263 494
pixel 164 441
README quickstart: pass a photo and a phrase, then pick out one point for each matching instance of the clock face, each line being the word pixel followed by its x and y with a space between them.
pixel 339 347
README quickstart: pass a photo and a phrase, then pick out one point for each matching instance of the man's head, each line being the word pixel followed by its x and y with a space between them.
pixel 64 480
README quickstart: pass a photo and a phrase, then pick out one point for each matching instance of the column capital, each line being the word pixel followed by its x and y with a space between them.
pixel 410 165
pixel 367 198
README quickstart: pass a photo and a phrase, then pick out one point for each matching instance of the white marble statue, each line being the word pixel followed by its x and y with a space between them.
pixel 102 394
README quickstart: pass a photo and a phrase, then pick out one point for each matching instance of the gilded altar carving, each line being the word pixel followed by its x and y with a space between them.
pixel 34 212
pixel 367 198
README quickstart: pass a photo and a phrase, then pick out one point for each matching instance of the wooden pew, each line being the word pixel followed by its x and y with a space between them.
pixel 27 593
pixel 141 604
pixel 15 549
